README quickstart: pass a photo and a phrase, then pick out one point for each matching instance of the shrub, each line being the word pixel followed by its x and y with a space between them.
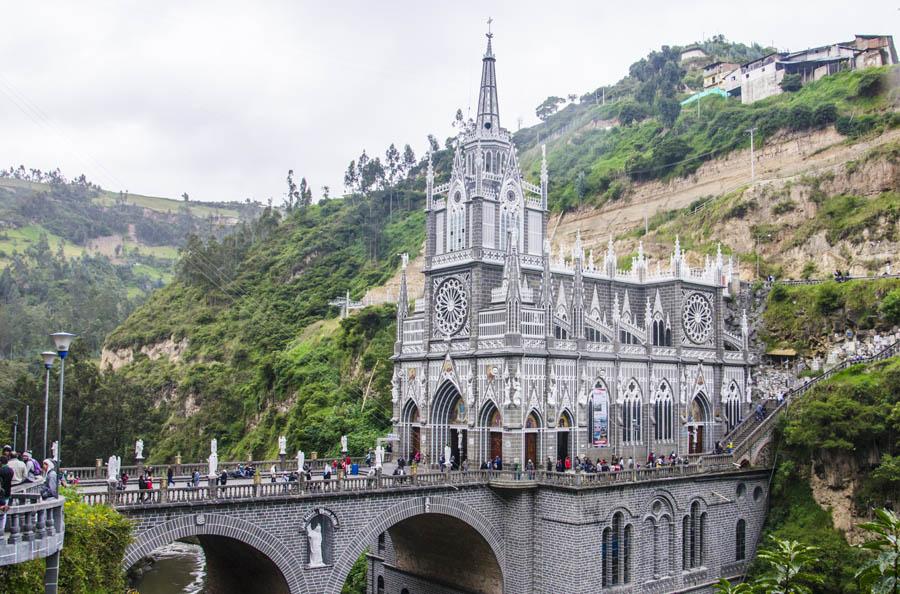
pixel 809 269
pixel 791 83
pixel 890 307
pixel 784 207
pixel 824 114
pixel 829 298
pixel 869 84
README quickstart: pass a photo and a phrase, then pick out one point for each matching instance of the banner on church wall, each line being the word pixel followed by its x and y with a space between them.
pixel 599 417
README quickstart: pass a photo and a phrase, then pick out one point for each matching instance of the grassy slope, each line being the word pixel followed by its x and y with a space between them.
pixel 805 316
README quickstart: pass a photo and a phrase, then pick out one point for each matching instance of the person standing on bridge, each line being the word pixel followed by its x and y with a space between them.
pixel 50 488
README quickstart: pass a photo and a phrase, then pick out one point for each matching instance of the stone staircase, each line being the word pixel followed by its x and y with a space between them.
pixel 751 436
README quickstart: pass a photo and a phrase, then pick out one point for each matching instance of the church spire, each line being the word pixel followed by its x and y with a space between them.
pixel 488 119
pixel 402 298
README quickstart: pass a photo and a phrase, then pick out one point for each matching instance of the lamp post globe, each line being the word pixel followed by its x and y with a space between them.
pixel 49 357
pixel 63 341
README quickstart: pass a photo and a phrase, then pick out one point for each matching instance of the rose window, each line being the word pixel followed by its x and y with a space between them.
pixel 450 307
pixel 697 318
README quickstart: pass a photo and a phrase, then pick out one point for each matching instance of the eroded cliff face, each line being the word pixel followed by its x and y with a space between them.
pixel 114 359
pixel 834 480
pixel 792 169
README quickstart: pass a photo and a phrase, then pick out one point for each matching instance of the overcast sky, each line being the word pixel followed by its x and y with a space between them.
pixel 219 99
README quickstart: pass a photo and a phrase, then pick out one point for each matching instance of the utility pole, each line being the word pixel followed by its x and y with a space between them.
pixel 752 163
pixel 27 412
pixel 15 432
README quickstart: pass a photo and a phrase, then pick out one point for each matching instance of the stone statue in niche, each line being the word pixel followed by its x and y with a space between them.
pixel 314 535
pixel 139 449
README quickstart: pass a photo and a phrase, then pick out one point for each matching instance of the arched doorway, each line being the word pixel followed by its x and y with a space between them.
pixel 698 419
pixel 564 435
pixel 491 423
pixel 532 434
pixel 411 425
pixel 449 425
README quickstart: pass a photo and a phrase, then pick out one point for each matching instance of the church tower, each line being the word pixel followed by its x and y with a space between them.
pixel 485 204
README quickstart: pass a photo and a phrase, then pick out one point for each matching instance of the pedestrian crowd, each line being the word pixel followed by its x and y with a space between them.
pixel 17 469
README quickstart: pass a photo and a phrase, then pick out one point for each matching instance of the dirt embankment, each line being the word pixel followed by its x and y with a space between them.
pixel 781 162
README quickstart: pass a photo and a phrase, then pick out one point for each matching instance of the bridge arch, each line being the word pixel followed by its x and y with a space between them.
pixel 204 524
pixel 418 506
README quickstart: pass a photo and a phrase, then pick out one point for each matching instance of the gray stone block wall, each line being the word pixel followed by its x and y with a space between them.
pixel 544 539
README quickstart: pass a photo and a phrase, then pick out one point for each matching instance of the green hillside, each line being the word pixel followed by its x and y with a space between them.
pixel 75 256
pixel 596 152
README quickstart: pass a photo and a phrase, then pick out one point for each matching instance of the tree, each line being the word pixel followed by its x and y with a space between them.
pixel 351 178
pixel 548 107
pixel 293 195
pixel 791 83
pixel 325 191
pixel 668 110
pixel 409 159
pixel 580 189
pixel 788 567
pixel 392 170
pixel 184 196
pixel 882 573
pixel 304 196
pixel 726 587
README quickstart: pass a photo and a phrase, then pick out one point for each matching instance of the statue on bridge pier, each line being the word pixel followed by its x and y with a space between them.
pixel 301 461
pixel 314 535
pixel 139 449
pixel 112 469
pixel 379 457
pixel 344 449
pixel 282 445
pixel 214 446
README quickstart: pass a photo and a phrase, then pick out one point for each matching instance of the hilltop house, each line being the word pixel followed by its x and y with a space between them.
pixel 762 77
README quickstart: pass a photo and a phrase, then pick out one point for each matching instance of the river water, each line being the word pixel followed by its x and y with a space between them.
pixel 178 568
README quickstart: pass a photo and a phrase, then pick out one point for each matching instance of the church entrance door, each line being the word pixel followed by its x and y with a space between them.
pixel 530 449
pixel 562 445
pixel 415 440
pixel 496 444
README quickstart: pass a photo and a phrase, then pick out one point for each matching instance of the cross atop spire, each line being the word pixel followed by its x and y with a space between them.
pixel 488 118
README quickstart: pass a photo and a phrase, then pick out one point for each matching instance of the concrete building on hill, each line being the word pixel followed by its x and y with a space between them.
pixel 519 353
pixel 762 77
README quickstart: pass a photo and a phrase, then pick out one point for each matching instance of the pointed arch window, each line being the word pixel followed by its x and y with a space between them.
pixel 664 412
pixel 456 234
pixel 662 333
pixel 740 540
pixel 488 161
pixel 615 552
pixel 693 537
pixel 732 402
pixel 631 413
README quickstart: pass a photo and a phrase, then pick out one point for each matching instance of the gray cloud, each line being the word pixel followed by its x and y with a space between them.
pixel 221 99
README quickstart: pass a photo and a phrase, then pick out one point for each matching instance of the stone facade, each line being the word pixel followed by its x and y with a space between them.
pixel 539 538
pixel 516 352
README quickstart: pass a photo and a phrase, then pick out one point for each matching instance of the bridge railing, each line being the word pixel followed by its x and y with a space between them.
pixel 359 484
pixel 182 472
pixel 34 528
pixel 752 429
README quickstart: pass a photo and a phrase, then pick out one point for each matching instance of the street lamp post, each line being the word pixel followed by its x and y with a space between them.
pixel 63 340
pixel 15 431
pixel 49 357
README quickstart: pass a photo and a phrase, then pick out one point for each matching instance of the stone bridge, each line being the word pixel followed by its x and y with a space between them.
pixel 676 528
